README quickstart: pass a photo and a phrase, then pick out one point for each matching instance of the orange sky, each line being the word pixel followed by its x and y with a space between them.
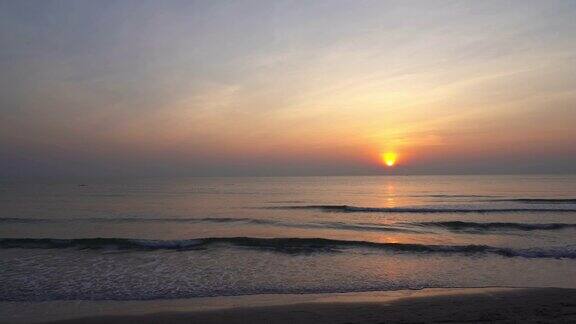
pixel 258 87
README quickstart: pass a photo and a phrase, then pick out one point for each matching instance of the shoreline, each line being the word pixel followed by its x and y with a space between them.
pixel 455 305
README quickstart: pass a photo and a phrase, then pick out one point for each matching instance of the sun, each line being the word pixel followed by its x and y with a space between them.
pixel 389 158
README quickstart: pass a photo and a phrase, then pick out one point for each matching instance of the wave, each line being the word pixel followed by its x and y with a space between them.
pixel 455 196
pixel 459 225
pixel 540 200
pixel 136 220
pixel 373 227
pixel 354 209
pixel 24 220
pixel 369 227
pixel 282 245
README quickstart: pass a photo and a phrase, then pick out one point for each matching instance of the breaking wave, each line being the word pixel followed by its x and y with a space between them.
pixel 540 200
pixel 282 245
pixel 459 225
pixel 355 209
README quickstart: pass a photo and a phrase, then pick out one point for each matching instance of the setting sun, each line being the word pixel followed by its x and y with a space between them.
pixel 389 158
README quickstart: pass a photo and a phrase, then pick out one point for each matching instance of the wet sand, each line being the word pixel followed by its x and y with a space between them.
pixel 458 305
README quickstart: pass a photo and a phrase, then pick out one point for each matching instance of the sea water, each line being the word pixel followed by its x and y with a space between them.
pixel 199 237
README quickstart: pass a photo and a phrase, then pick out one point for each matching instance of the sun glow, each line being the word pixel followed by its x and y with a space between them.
pixel 389 158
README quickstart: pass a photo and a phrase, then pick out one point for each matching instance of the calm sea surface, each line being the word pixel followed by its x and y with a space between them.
pixel 165 239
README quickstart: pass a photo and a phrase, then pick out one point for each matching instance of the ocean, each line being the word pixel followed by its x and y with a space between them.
pixel 199 237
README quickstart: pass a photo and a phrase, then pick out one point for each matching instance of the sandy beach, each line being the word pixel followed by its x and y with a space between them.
pixel 450 305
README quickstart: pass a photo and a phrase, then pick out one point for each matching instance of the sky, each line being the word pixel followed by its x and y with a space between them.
pixel 324 87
